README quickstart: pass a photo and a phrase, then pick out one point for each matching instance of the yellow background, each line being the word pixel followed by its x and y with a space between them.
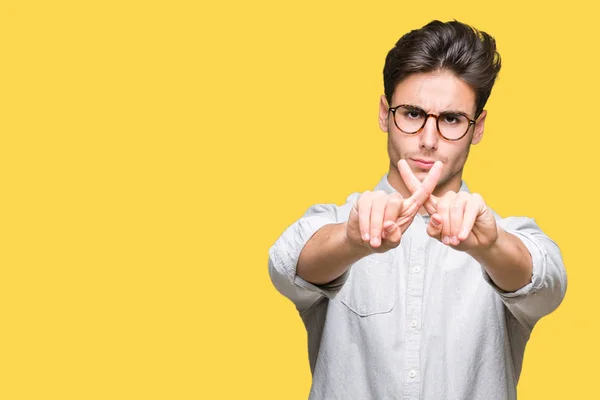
pixel 152 151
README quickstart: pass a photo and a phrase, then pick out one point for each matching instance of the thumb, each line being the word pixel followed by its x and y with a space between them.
pixel 434 228
pixel 431 204
pixel 391 234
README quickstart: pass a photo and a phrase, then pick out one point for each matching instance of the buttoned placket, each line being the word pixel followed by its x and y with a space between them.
pixel 414 303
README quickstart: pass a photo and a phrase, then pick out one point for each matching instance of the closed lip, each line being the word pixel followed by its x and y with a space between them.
pixel 423 161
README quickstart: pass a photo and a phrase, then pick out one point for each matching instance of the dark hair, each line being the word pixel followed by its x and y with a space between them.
pixel 454 46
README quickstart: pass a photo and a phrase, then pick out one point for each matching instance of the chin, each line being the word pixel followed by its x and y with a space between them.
pixel 421 175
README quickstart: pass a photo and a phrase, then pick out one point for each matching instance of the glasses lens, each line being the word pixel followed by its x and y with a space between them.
pixel 409 120
pixel 453 126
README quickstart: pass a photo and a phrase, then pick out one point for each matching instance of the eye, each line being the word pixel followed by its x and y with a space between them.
pixel 411 114
pixel 452 118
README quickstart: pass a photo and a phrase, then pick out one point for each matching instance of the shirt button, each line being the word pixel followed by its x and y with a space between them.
pixel 417 269
pixel 412 373
pixel 413 323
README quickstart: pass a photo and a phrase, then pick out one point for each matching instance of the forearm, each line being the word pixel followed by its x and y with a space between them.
pixel 507 262
pixel 328 254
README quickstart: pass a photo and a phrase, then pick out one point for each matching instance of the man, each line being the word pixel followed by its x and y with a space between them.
pixel 418 290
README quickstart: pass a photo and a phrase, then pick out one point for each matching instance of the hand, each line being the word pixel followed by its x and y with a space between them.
pixel 378 220
pixel 460 220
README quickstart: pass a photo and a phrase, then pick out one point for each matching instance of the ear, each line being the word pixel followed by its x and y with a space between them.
pixel 479 125
pixel 384 112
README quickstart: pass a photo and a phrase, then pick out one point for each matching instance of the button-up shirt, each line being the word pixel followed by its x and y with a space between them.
pixel 421 321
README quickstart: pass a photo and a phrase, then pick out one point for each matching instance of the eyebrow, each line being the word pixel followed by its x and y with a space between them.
pixel 445 111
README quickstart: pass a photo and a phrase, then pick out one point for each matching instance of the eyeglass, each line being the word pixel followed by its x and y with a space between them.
pixel 451 125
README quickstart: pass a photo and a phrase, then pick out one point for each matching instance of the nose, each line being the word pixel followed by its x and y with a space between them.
pixel 428 139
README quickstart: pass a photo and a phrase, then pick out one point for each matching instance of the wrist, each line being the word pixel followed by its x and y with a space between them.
pixel 490 248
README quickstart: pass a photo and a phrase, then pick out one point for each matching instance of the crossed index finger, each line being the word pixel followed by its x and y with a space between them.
pixel 421 192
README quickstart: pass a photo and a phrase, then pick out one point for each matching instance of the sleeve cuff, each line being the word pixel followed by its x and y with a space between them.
pixel 286 259
pixel 328 290
pixel 538 257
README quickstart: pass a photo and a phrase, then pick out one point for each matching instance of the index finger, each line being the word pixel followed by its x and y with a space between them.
pixel 429 183
pixel 432 178
pixel 413 184
pixel 410 180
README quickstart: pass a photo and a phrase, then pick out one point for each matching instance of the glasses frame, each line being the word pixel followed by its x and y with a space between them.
pixel 437 121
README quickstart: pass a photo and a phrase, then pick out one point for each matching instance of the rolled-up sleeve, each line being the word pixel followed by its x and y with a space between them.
pixel 285 252
pixel 548 285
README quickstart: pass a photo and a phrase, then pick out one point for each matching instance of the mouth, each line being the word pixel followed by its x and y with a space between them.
pixel 422 163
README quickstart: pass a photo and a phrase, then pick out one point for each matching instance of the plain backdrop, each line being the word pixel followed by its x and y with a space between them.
pixel 152 151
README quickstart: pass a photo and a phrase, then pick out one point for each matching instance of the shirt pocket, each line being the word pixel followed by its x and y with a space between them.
pixel 371 285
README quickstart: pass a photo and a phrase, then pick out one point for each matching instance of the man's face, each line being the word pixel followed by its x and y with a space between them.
pixel 433 92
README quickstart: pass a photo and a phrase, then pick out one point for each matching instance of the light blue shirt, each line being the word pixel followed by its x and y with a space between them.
pixel 421 321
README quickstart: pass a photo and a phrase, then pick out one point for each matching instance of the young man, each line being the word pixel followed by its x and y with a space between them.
pixel 418 290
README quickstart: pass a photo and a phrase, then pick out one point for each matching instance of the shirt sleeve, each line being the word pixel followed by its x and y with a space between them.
pixel 548 285
pixel 284 254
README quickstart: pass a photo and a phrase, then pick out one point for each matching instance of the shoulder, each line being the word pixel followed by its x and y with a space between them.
pixel 339 212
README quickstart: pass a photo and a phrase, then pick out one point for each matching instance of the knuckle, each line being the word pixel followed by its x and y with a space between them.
pixel 394 200
pixel 446 199
pixel 396 197
pixel 456 206
pixel 442 206
pixel 381 197
pixel 364 197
